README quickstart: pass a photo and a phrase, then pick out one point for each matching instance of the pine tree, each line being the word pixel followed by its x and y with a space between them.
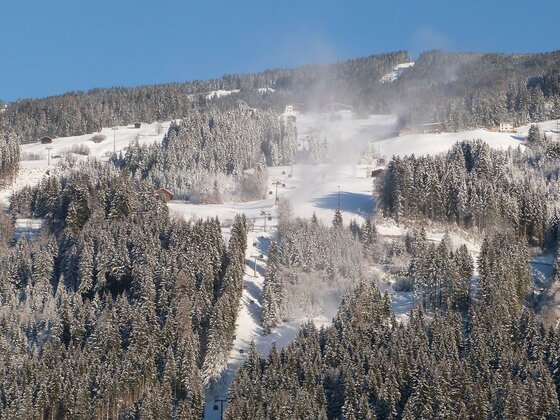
pixel 337 220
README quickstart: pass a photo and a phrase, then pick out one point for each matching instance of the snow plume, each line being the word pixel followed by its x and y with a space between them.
pixel 308 269
pixel 344 137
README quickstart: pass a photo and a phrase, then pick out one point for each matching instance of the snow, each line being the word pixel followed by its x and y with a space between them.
pixel 398 70
pixel 342 126
pixel 219 93
pixel 117 138
pixel 424 144
pixel 27 227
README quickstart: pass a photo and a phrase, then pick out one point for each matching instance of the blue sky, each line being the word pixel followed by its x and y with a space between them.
pixel 50 47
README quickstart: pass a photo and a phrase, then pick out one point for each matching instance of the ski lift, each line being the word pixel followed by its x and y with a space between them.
pixel 283 185
pixel 269 217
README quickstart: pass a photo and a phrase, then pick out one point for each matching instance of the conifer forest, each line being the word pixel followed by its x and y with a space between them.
pixel 373 238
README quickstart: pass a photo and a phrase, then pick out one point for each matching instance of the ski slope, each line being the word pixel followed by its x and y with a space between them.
pixel 424 144
pixel 320 189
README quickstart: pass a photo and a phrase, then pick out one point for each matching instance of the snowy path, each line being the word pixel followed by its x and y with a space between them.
pixel 306 197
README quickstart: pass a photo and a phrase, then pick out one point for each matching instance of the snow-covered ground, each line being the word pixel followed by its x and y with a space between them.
pixel 396 73
pixel 423 144
pixel 32 171
pixel 219 93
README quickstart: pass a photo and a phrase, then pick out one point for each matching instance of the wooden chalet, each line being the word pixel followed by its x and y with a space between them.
pixel 503 127
pixel 164 193
pixel 46 140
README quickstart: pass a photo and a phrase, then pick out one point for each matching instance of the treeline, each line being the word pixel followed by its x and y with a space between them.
pixel 470 90
pixel 114 310
pixel 464 90
pixel 471 186
pixel 77 113
pixel 206 155
pixel 489 358
pixel 310 265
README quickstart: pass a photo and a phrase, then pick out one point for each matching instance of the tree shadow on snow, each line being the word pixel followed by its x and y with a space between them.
pixel 350 202
pixel 250 263
pixel 263 243
pixel 254 300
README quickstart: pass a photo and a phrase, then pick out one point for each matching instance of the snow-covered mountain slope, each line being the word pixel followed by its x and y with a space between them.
pixel 318 189
pixel 219 93
pixel 396 73
pixel 35 160
pixel 423 144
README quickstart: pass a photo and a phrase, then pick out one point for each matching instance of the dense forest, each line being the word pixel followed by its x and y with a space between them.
pixel 86 112
pixel 478 90
pixel 485 363
pixel 115 310
pixel 205 157
pixel 471 186
pixel 466 351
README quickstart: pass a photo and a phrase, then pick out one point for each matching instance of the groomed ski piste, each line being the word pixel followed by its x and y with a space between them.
pixel 318 189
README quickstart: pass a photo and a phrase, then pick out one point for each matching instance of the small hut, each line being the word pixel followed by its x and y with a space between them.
pixel 165 194
pixel 137 125
pixel 433 128
pixel 46 140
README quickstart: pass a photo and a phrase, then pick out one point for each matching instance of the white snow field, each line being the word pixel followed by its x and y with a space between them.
pixel 219 93
pixel 396 73
pixel 35 156
pixel 428 144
